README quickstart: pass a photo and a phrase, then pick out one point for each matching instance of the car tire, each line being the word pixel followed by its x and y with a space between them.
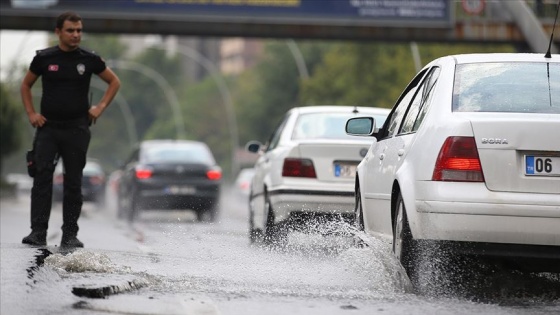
pixel 100 201
pixel 358 220
pixel 209 213
pixel 254 234
pixel 405 248
pixel 275 235
pixel 133 210
pixel 121 209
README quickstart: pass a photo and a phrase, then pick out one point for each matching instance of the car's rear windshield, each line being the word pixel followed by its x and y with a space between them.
pixel 178 154
pixel 512 87
pixel 327 125
pixel 92 168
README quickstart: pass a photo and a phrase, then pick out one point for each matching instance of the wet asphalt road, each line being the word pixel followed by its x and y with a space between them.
pixel 167 263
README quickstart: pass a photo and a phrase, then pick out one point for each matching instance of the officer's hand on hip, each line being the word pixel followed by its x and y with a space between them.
pixel 37 120
pixel 94 113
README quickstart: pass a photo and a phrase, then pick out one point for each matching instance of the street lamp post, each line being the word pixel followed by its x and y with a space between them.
pixel 226 96
pixel 126 112
pixel 163 84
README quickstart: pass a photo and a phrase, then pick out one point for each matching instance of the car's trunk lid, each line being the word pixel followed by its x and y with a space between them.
pixel 179 170
pixel 510 147
pixel 335 161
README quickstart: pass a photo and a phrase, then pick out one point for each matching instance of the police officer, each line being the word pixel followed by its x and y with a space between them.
pixel 63 124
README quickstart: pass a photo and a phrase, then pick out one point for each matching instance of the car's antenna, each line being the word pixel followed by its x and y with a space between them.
pixel 548 55
pixel 355 111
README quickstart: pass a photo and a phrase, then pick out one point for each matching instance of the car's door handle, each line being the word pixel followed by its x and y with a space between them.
pixel 381 156
pixel 400 152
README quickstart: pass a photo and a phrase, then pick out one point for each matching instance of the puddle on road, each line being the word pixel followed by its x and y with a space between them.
pixel 323 262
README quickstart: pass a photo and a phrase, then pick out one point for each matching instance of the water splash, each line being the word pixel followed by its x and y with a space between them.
pixel 84 261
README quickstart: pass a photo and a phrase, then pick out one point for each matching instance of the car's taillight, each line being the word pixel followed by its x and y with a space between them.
pixel 298 168
pixel 143 172
pixel 458 161
pixel 58 179
pixel 96 180
pixel 214 174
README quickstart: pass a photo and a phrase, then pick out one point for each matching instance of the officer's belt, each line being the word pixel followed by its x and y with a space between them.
pixel 64 124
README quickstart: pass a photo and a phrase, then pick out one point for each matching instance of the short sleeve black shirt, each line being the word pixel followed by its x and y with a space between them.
pixel 66 79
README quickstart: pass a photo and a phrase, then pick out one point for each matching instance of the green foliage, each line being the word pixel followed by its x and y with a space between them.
pixel 141 102
pixel 373 74
pixel 264 94
pixel 143 91
pixel 360 74
pixel 340 73
pixel 10 123
pixel 429 52
pixel 205 118
pixel 107 46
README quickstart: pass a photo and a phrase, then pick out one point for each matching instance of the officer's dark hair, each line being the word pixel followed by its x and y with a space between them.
pixel 67 16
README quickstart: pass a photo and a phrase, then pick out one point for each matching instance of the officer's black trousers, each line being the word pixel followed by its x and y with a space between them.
pixel 71 144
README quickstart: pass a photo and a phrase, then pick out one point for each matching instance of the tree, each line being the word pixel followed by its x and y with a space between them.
pixel 263 94
pixel 374 74
pixel 10 121
pixel 360 74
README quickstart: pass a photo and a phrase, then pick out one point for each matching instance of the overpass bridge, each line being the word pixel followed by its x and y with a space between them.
pixel 527 23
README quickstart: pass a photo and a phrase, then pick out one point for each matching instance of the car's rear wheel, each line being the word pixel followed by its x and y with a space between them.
pixel 121 207
pixel 209 213
pixel 358 219
pixel 254 234
pixel 274 234
pixel 133 210
pixel 404 246
pixel 100 200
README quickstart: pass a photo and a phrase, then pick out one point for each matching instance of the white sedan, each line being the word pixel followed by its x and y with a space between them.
pixel 468 159
pixel 307 168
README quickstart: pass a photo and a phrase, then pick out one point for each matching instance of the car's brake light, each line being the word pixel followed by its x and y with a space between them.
pixel 214 174
pixel 58 179
pixel 458 161
pixel 96 180
pixel 298 168
pixel 143 172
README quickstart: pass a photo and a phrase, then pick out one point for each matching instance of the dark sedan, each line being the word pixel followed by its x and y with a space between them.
pixel 170 174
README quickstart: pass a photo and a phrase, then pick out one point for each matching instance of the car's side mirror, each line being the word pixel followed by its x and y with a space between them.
pixel 253 146
pixel 361 126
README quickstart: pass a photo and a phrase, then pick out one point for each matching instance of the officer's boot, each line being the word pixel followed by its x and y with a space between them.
pixel 70 241
pixel 36 238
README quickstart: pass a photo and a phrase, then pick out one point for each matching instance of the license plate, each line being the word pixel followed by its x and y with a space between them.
pixel 181 190
pixel 542 165
pixel 345 170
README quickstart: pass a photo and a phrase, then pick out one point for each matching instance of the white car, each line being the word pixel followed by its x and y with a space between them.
pixel 468 159
pixel 242 184
pixel 307 167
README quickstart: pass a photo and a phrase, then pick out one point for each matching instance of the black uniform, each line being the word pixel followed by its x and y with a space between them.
pixel 64 103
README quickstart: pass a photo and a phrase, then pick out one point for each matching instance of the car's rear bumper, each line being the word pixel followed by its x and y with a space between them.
pixel 487 228
pixel 196 197
pixel 287 201
pixel 469 212
pixel 178 202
